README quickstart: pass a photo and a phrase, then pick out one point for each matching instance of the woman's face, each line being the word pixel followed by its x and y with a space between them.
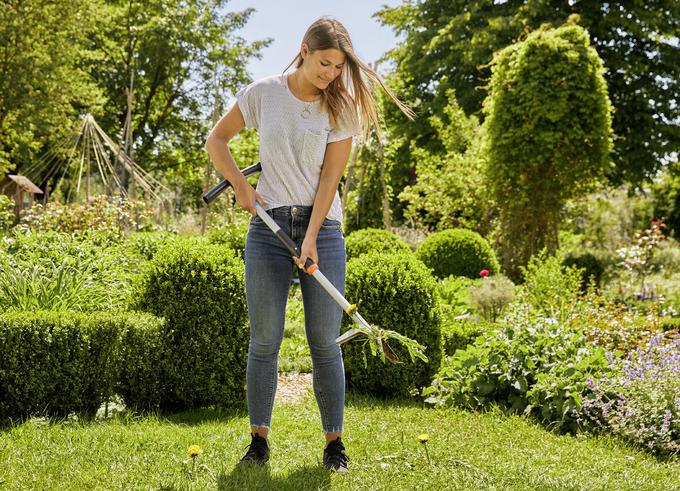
pixel 321 67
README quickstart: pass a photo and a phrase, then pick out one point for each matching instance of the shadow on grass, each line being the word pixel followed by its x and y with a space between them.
pixel 203 415
pixel 363 401
pixel 249 477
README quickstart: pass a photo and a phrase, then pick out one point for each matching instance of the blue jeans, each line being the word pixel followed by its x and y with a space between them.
pixel 269 271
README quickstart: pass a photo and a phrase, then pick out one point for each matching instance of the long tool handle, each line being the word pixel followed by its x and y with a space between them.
pixel 214 192
pixel 312 268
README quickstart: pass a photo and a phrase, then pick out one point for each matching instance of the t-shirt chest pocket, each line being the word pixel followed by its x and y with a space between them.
pixel 314 147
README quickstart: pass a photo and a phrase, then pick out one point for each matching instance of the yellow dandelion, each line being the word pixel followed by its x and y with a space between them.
pixel 194 451
pixel 423 437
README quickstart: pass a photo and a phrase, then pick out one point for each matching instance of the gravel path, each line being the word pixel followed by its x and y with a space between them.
pixel 293 387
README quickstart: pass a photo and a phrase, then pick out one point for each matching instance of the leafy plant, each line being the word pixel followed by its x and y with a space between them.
pixel 491 295
pixel 639 399
pixel 551 287
pixel 531 366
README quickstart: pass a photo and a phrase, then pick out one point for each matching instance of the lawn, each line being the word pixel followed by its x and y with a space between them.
pixel 466 450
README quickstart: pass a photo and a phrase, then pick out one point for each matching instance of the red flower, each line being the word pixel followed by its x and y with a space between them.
pixel 484 273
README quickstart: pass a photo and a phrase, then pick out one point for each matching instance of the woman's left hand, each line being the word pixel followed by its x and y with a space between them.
pixel 308 250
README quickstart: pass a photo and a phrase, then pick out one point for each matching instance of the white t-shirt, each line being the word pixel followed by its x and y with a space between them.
pixel 293 139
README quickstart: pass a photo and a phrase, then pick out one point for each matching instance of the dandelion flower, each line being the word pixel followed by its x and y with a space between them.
pixel 423 438
pixel 194 451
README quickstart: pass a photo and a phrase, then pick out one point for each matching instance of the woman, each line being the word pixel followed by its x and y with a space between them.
pixel 306 121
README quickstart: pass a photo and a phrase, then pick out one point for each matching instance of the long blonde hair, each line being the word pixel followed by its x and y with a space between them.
pixel 356 110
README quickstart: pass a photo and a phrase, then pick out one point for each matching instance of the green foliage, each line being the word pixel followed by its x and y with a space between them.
pixel 550 287
pixel 548 133
pixel 200 290
pixel 147 244
pixel 7 216
pixel 637 398
pixel 102 212
pixel 231 234
pixel 447 44
pixel 590 265
pixel 449 191
pixel 457 334
pixel 185 57
pixel 56 271
pixel 530 366
pixel 670 324
pixel 667 198
pixel 396 292
pixel 143 352
pixel 43 87
pixel 364 201
pixel 373 240
pixel 55 363
pixel 457 252
pixel 491 295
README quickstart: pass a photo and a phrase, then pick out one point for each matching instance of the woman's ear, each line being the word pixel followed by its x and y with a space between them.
pixel 304 50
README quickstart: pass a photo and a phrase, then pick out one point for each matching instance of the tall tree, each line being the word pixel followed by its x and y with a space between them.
pixel 179 51
pixel 43 88
pixel 548 131
pixel 449 44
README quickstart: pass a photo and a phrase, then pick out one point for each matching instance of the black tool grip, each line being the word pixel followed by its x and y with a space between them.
pixel 288 242
pixel 215 191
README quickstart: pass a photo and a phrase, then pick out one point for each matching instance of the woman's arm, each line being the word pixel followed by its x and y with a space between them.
pixel 216 146
pixel 334 162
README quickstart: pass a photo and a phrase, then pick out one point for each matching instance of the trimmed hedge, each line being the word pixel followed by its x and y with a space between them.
pixel 396 292
pixel 200 290
pixel 54 364
pixel 373 240
pixel 457 252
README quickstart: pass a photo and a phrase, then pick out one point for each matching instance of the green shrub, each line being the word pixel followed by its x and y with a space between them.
pixel 550 287
pixel 200 290
pixel 140 379
pixel 592 268
pixel 231 234
pixel 531 366
pixel 457 252
pixel 491 295
pixel 107 213
pixel 58 363
pixel 393 291
pixel 147 244
pixel 373 240
pixel 459 333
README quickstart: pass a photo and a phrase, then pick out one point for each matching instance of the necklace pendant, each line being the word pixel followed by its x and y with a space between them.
pixel 305 112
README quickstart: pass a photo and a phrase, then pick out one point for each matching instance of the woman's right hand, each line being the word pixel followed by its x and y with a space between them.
pixel 246 197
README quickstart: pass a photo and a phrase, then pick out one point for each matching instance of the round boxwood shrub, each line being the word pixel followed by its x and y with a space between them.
pixel 373 240
pixel 592 267
pixel 200 291
pixel 458 252
pixel 396 292
pixel 57 363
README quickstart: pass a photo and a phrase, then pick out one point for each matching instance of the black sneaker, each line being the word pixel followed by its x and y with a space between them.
pixel 335 458
pixel 258 451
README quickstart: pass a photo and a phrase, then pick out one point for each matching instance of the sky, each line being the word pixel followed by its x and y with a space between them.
pixel 287 20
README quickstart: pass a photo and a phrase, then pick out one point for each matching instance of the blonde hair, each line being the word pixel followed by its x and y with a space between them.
pixel 357 110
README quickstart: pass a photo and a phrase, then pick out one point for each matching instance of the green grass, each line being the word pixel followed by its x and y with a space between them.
pixel 467 451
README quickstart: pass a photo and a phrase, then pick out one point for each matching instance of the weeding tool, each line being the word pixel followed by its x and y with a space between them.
pixel 310 267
